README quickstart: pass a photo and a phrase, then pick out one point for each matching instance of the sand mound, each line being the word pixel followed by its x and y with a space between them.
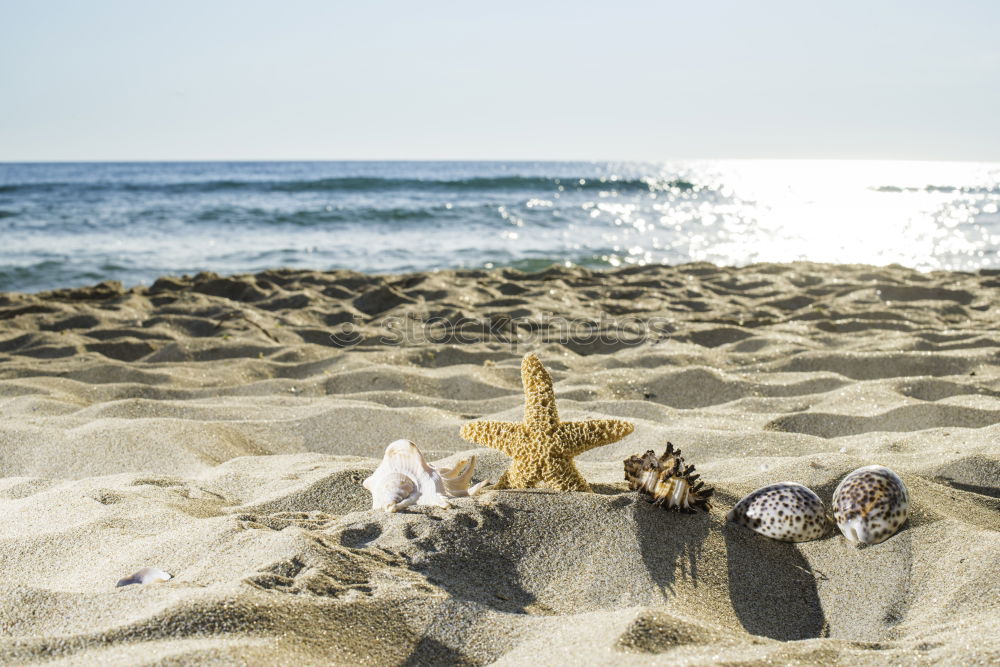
pixel 219 427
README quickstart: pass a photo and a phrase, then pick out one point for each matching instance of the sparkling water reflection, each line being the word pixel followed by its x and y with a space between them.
pixel 67 224
pixel 844 211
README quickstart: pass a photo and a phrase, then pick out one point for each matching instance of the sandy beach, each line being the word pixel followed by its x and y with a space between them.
pixel 219 428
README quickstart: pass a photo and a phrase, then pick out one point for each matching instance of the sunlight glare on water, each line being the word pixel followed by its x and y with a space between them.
pixel 741 212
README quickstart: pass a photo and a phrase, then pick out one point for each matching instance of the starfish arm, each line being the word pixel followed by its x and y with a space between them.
pixel 503 482
pixel 562 475
pixel 578 437
pixel 539 398
pixel 504 436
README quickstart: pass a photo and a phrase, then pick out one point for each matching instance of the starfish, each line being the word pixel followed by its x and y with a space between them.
pixel 542 447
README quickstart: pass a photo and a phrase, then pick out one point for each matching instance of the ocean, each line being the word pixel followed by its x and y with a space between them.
pixel 68 224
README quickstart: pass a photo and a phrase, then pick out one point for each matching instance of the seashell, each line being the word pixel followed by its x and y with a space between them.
pixel 146 575
pixel 667 482
pixel 785 511
pixel 404 478
pixel 870 505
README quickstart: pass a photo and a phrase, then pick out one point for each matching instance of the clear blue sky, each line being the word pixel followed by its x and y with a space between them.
pixel 312 79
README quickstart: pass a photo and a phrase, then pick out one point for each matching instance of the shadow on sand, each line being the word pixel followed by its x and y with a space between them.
pixel 503 557
pixel 462 559
pixel 772 587
pixel 430 651
pixel 670 542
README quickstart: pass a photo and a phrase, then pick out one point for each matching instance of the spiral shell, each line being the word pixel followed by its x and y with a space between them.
pixel 784 511
pixel 870 505
pixel 667 482
pixel 404 478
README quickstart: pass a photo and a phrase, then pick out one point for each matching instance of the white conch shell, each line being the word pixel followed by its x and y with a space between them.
pixel 404 478
pixel 146 575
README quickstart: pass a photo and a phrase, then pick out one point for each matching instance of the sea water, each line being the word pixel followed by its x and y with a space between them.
pixel 69 224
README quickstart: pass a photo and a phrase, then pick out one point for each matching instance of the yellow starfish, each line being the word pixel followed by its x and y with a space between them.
pixel 542 446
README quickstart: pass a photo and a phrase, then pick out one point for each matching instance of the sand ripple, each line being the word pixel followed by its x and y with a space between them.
pixel 219 427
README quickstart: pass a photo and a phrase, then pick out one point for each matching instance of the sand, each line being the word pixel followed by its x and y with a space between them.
pixel 218 428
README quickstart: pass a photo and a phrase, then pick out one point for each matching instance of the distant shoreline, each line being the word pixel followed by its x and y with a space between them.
pixel 541 273
pixel 76 224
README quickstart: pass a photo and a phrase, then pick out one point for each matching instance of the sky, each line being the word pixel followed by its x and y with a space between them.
pixel 469 80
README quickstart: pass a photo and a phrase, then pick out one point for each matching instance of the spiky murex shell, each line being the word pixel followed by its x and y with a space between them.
pixel 666 482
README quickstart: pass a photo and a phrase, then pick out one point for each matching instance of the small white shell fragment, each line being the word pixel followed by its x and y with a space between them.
pixel 146 575
pixel 404 478
pixel 784 511
pixel 870 505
